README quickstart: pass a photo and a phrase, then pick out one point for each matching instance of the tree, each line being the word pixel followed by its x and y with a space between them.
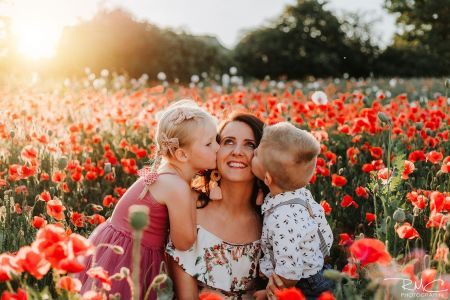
pixel 424 32
pixel 305 40
pixel 116 41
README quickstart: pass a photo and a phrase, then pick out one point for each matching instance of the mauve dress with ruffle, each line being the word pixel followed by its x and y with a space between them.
pixel 116 231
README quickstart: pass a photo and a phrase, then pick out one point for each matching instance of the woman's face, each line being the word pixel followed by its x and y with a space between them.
pixel 234 158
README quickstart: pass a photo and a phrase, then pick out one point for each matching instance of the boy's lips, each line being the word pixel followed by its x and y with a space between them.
pixel 237 164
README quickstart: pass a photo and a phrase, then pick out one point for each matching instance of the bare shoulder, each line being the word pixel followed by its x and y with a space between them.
pixel 169 187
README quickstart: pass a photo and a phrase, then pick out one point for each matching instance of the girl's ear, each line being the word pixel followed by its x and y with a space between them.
pixel 181 155
pixel 267 179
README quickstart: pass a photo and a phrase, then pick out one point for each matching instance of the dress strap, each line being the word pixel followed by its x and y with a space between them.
pixel 149 178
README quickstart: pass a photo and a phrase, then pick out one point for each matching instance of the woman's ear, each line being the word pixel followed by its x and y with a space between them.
pixel 181 155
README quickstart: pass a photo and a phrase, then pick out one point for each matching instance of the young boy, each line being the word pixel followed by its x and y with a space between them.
pixel 295 236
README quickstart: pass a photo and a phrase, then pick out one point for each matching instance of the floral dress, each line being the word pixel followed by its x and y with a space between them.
pixel 225 268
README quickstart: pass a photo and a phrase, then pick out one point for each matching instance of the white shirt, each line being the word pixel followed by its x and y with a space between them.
pixel 289 240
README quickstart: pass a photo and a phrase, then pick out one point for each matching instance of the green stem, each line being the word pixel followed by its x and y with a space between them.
pixel 136 264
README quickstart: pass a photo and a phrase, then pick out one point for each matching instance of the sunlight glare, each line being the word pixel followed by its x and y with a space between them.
pixel 35 40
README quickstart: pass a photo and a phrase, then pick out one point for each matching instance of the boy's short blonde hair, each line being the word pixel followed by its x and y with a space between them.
pixel 284 148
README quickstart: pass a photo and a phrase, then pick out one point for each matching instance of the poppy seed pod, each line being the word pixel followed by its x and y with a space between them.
pixel 384 118
pixel 399 216
pixel 62 162
pixel 107 168
pixel 138 217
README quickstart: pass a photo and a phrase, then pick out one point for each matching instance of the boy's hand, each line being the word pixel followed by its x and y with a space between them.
pixel 260 295
pixel 274 283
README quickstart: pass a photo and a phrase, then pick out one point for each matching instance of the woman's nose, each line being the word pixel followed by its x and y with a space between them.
pixel 237 150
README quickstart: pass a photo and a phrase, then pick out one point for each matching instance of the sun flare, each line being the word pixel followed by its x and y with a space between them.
pixel 35 40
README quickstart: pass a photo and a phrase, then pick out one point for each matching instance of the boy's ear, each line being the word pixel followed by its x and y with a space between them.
pixel 267 179
pixel 181 155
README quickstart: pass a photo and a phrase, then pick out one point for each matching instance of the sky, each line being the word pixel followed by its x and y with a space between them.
pixel 39 24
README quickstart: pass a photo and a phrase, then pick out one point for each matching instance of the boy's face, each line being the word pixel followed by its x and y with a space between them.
pixel 257 165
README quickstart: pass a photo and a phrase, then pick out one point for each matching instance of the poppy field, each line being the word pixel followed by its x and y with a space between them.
pixel 69 150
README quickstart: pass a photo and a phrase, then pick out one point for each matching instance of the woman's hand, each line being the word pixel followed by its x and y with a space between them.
pixel 260 295
pixel 274 283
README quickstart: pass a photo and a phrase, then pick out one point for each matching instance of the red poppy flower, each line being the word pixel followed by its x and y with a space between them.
pixel 38 222
pixel 445 168
pixel 408 169
pixel 20 295
pixel 56 209
pixel 289 294
pixel 96 219
pixel 350 269
pixel 345 239
pixel 109 201
pixel 376 152
pixel 347 201
pixel 368 251
pixel 434 157
pixel 338 181
pixel 29 153
pixel 31 260
pixel 93 295
pixel 326 296
pixel 44 177
pixel 209 296
pixel 352 154
pixel 102 275
pixel 8 267
pixel 437 201
pixel 437 220
pixel 119 191
pixel 58 176
pixel 361 192
pixel 367 168
pixel 45 196
pixel 326 207
pixel 416 155
pixel 384 176
pixel 72 285
pixel 406 231
pixel 441 253
pixel 77 219
pixel 370 217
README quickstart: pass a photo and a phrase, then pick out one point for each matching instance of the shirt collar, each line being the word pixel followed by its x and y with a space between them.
pixel 271 201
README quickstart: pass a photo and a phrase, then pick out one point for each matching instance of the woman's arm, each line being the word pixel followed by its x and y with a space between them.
pixel 185 285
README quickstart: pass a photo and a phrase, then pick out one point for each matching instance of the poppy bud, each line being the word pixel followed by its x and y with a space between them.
pixel 62 162
pixel 107 168
pixel 117 276
pixel 447 83
pixel 12 134
pixel 159 280
pixel 384 118
pixel 117 249
pixel 138 216
pixel 447 228
pixel 419 125
pixel 125 271
pixel 333 274
pixel 399 216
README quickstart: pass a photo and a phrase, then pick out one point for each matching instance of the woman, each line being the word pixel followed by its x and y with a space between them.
pixel 225 257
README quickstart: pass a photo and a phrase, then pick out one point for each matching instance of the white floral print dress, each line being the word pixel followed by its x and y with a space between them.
pixel 225 268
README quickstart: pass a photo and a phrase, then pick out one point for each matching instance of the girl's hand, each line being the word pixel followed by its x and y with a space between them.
pixel 274 283
pixel 260 295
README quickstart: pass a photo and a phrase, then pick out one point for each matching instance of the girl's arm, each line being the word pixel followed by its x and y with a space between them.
pixel 181 207
pixel 185 285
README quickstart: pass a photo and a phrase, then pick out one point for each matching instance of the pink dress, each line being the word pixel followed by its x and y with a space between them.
pixel 116 231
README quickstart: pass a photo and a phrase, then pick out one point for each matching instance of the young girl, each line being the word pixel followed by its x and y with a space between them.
pixel 186 140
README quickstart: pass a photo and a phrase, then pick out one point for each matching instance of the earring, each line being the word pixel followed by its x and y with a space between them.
pixel 215 192
pixel 260 197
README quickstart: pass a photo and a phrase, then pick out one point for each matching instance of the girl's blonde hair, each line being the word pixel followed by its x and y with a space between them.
pixel 177 126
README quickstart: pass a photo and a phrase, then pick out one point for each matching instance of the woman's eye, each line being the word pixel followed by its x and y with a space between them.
pixel 209 144
pixel 228 142
pixel 251 145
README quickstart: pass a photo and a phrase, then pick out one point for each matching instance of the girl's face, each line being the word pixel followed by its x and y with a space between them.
pixel 204 149
pixel 234 158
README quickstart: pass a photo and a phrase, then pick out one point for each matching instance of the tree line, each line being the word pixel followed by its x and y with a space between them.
pixel 306 39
